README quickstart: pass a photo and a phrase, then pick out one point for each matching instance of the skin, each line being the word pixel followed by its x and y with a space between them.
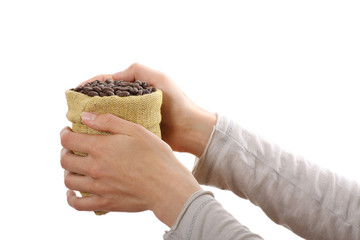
pixel 132 170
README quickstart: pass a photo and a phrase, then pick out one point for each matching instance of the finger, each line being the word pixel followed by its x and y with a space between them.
pixel 79 142
pixel 78 182
pixel 90 203
pixel 139 72
pixel 74 163
pixel 110 123
pixel 101 78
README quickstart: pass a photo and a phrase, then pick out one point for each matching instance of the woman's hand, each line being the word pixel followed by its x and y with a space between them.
pixel 130 170
pixel 185 126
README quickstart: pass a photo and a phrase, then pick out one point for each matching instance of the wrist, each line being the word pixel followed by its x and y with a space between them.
pixel 173 194
pixel 199 131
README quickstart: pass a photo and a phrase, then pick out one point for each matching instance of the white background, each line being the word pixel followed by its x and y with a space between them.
pixel 288 70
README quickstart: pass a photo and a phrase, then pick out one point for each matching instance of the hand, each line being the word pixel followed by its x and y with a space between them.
pixel 130 170
pixel 185 126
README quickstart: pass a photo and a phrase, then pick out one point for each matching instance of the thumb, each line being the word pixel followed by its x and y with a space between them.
pixel 109 123
pixel 137 71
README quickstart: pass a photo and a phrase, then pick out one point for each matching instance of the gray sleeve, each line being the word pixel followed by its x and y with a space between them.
pixel 203 218
pixel 311 201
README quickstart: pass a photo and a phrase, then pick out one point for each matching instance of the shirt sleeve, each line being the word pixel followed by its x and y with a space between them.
pixel 311 201
pixel 203 218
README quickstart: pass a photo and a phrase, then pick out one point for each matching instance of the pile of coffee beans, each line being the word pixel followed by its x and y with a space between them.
pixel 114 88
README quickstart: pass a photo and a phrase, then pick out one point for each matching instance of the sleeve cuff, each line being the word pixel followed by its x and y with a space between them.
pixel 184 222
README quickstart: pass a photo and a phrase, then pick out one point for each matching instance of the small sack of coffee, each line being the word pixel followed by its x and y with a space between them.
pixel 133 101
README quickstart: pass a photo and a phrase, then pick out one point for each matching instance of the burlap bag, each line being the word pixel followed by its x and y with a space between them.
pixel 143 110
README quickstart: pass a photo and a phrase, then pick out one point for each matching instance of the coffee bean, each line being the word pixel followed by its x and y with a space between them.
pixel 92 93
pixel 111 88
pixel 133 91
pixel 125 84
pixel 108 81
pixel 87 89
pixel 96 88
pixel 78 89
pixel 126 88
pixel 106 89
pixel 136 85
pixel 109 93
pixel 145 85
pixel 122 93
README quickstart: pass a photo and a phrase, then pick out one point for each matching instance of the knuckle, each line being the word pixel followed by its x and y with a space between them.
pixel 139 129
pixel 104 204
pixel 135 65
pixel 67 182
pixel 96 149
pixel 64 160
pixel 95 170
pixel 108 118
pixel 95 187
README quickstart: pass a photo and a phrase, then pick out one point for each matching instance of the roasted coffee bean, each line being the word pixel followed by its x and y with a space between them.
pixel 111 88
pixel 109 93
pixel 93 93
pixel 122 93
pixel 87 89
pixel 133 91
pixel 136 85
pixel 108 81
pixel 106 89
pixel 126 88
pixel 96 88
pixel 124 84
pixel 96 82
pixel 144 85
pixel 78 89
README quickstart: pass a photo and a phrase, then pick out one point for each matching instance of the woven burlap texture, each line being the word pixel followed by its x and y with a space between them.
pixel 144 110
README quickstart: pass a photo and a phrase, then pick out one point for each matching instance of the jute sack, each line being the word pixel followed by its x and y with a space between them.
pixel 143 110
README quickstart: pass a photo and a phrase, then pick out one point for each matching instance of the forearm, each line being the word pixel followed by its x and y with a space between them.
pixel 203 218
pixel 312 202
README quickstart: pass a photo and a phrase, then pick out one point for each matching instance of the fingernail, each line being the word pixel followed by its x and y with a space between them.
pixel 63 131
pixel 88 116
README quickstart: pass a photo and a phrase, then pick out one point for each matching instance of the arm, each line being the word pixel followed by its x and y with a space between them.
pixel 313 202
pixel 202 217
pixel 132 170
